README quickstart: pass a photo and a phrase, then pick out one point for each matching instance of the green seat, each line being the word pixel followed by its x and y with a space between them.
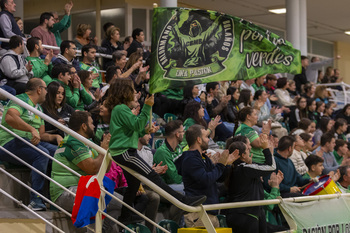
pixel 169 117
pixel 138 228
pixel 169 225
pixel 158 143
pixel 221 144
pixel 222 220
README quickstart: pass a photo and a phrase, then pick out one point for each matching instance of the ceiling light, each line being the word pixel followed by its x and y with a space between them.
pixel 278 11
pixel 347 33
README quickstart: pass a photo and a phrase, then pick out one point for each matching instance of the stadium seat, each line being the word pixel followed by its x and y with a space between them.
pixel 138 228
pixel 168 225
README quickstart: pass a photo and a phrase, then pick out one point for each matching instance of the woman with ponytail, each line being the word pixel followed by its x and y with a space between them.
pixel 248 117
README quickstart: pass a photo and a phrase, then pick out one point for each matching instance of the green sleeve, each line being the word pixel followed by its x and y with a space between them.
pixel 39 68
pixel 85 97
pixel 275 192
pixel 72 97
pixel 250 134
pixel 62 25
pixel 135 123
pixel 171 176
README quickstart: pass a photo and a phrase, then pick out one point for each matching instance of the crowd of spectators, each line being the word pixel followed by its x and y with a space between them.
pixel 230 140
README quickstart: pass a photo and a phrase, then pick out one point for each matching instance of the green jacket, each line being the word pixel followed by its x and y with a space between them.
pixel 40 70
pixel 126 128
pixel 337 157
pixel 166 155
pixel 59 27
pixel 76 98
pixel 94 69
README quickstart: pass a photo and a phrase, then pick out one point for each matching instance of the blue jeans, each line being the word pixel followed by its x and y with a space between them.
pixel 31 156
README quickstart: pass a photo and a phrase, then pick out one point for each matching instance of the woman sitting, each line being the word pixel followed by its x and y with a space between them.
pixel 55 107
pixel 86 81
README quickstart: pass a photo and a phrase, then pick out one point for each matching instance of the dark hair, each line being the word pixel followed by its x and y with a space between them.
pixel 192 133
pixel 281 82
pixel 77 119
pixel 307 87
pixel 271 77
pixel 136 32
pixel 65 45
pixel 258 93
pixel 326 137
pixel 127 39
pixel 338 123
pixel 50 100
pixel 304 57
pixel 15 41
pixel 171 127
pixel 83 75
pixel 319 104
pixel 345 107
pixel 2 4
pixel 304 123
pixel 238 145
pixel 211 85
pixel 117 55
pixel 187 92
pixel 123 92
pixel 59 69
pixel 110 72
pixel 231 90
pixel 86 49
pixel 244 97
pixel 44 16
pixel 339 143
pixel 305 136
pixel 285 142
pixel 33 84
pixel 309 102
pixel 313 160
pixel 342 170
pixel 303 113
pixel 238 138
pixel 31 42
pixel 313 59
pixel 107 25
pixel 242 116
pixel 191 111
pixel 324 123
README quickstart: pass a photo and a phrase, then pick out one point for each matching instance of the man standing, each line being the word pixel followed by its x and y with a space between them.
pixel 138 37
pixel 8 25
pixel 14 67
pixel 169 152
pixel 43 31
pixel 40 66
pixel 63 24
pixel 301 79
pixel 31 128
pixel 67 55
pixel 315 66
pixel 88 53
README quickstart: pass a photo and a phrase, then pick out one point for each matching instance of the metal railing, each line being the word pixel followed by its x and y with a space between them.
pixel 341 98
pixel 199 209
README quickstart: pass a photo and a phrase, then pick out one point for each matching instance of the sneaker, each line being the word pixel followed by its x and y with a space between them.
pixel 37 204
pixel 130 219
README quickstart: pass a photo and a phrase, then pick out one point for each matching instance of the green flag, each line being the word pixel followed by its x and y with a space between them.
pixel 197 46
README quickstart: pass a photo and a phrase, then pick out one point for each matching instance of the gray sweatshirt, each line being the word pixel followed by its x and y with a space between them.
pixel 9 67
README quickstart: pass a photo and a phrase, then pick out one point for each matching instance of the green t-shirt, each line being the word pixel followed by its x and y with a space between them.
pixel 101 129
pixel 94 69
pixel 27 116
pixel 168 157
pixel 307 176
pixel 251 134
pixel 342 189
pixel 338 158
pixel 70 152
pixel 256 88
pixel 40 70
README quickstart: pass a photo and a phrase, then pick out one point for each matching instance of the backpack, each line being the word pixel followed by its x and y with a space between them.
pixel 14 57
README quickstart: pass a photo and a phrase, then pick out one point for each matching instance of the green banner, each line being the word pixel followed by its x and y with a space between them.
pixel 322 216
pixel 197 46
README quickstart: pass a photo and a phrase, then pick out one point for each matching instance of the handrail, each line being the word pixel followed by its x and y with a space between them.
pixel 33 212
pixel 58 48
pixel 155 187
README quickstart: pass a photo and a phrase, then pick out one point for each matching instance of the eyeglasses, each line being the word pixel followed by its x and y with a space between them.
pixel 43 87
